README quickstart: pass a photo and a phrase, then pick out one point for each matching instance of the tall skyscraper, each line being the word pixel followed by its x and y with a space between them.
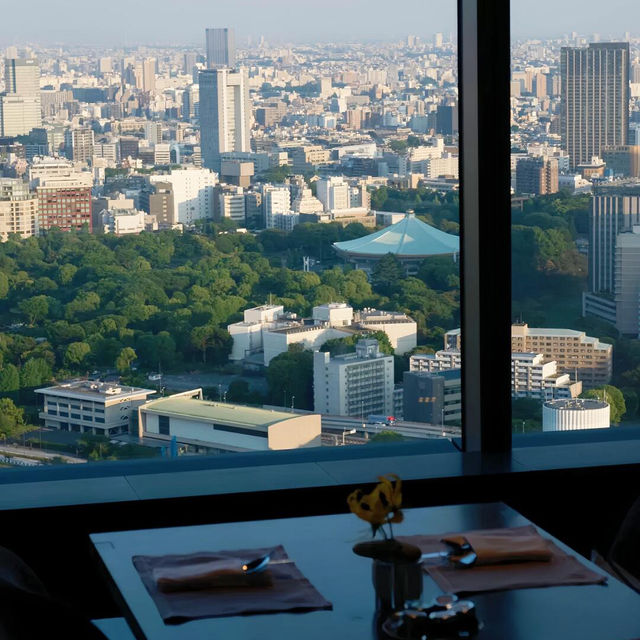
pixel 149 75
pixel 20 109
pixel 221 48
pixel 595 98
pixel 225 113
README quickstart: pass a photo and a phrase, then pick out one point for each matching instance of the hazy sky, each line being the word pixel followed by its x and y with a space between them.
pixel 132 22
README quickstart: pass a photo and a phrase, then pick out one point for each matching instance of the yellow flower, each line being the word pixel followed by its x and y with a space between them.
pixel 384 501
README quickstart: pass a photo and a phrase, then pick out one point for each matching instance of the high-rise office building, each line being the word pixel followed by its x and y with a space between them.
pixel 225 113
pixel 22 76
pixel 595 99
pixel 221 48
pixel 20 109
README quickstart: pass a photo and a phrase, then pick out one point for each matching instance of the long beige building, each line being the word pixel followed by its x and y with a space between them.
pixel 203 426
pixel 574 352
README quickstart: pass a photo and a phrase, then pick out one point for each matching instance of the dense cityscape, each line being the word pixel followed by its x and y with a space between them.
pixel 244 246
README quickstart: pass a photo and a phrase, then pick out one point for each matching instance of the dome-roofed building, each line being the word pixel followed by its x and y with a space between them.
pixel 410 240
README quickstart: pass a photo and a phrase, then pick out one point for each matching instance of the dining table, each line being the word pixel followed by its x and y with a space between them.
pixel 322 549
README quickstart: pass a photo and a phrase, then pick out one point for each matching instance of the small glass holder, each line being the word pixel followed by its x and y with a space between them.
pixel 395 583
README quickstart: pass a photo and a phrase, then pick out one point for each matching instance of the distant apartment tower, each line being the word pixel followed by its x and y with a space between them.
pixel 225 113
pixel 537 176
pixel 356 384
pixel 149 75
pixel 18 209
pixel 275 200
pixel 221 48
pixel 191 195
pixel 20 109
pixel 334 193
pixel 594 99
pixel 79 144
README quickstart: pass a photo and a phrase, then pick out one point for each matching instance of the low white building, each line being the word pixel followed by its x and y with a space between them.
pixel 574 414
pixel 85 406
pixel 217 427
pixel 399 327
pixel 121 222
pixel 310 335
pixel 247 335
pixel 355 384
pixel 335 314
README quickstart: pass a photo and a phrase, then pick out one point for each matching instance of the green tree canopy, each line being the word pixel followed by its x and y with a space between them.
pixel 613 396
pixel 124 360
pixel 291 374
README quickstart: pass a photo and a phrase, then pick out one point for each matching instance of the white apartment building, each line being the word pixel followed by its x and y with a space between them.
pixel 285 221
pixel 18 209
pixel 79 144
pixel 355 384
pixel 232 205
pixel 334 193
pixel 192 191
pixel 275 200
pixel 101 408
pixel 534 376
pixel 438 361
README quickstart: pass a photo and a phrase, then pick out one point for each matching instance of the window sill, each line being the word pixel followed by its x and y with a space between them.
pixel 130 481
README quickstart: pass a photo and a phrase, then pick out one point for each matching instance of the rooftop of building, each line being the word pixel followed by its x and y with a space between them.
pixel 576 404
pixel 94 390
pixel 218 412
pixel 410 238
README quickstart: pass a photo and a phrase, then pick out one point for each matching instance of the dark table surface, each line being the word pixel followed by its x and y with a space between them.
pixel 321 548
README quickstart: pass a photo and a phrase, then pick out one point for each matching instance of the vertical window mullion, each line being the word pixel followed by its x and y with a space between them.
pixel 485 223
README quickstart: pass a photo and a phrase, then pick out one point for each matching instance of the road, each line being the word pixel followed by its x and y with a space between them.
pixel 15 450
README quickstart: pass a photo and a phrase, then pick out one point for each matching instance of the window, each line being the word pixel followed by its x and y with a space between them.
pixel 164 425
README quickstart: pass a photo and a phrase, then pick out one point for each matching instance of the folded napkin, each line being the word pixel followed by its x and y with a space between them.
pixel 509 558
pixel 207 585
pixel 208 574
pixel 504 545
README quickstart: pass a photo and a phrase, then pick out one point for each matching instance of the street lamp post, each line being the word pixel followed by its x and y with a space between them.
pixel 345 431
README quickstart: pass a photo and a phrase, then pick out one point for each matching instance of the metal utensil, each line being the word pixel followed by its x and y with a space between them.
pixel 466 559
pixel 257 565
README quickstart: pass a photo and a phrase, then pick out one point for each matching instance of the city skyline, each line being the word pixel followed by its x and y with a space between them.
pixel 283 21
